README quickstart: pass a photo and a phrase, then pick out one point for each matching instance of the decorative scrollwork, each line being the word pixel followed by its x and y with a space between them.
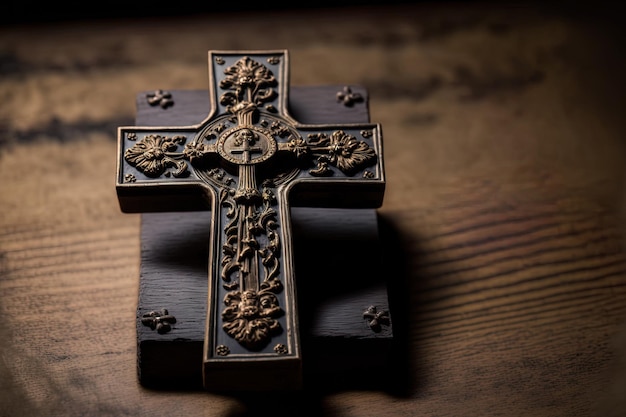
pixel 243 235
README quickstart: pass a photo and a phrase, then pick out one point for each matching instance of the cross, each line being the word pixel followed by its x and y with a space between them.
pixel 248 162
pixel 244 138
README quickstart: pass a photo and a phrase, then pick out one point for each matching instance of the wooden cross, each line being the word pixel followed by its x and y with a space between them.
pixel 248 162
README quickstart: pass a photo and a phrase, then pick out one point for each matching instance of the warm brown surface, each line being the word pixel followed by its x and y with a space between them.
pixel 502 131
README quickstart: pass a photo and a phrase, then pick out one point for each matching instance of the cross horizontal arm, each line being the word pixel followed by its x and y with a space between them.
pixel 154 172
pixel 344 167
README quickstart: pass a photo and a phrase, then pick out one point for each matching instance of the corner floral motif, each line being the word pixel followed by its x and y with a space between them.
pixel 281 349
pixel 348 98
pixel 161 321
pixel 160 98
pixel 376 319
pixel 222 350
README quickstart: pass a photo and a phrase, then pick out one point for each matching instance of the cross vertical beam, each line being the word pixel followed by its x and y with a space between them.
pixel 247 162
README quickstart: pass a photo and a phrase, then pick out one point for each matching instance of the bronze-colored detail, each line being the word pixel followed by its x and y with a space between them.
pixel 222 350
pixel 161 321
pixel 348 98
pixel 160 98
pixel 340 150
pixel 132 136
pixel 217 176
pixel 229 152
pixel 376 319
pixel 246 145
pixel 247 224
pixel 250 315
pixel 249 84
pixel 154 156
pixel 281 349
pixel 130 178
pixel 368 174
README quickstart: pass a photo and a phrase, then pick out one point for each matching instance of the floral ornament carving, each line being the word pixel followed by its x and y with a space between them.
pixel 249 82
pixel 341 150
pixel 160 98
pixel 222 350
pixel 281 349
pixel 154 155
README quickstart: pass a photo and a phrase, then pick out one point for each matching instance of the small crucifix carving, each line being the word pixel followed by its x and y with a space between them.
pixel 248 162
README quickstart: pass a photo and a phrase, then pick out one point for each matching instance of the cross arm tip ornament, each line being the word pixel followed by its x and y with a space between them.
pixel 248 161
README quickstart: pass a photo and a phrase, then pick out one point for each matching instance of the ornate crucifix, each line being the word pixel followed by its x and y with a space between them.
pixel 247 162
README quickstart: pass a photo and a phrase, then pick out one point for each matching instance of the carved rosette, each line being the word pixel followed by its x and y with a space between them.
pixel 155 155
pixel 225 153
pixel 340 150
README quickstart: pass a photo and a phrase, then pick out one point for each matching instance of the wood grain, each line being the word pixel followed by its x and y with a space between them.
pixel 503 133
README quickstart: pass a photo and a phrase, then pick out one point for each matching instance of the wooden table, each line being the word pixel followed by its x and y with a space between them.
pixel 503 145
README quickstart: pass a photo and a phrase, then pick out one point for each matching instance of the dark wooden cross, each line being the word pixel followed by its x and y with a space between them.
pixel 248 162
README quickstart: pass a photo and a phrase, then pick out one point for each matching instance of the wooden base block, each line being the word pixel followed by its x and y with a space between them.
pixel 338 276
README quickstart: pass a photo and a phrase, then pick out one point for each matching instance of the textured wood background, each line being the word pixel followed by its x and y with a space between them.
pixel 503 130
